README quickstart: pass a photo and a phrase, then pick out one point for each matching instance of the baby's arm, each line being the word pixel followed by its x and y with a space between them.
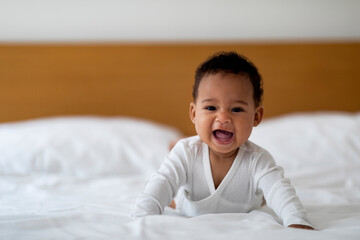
pixel 279 194
pixel 163 185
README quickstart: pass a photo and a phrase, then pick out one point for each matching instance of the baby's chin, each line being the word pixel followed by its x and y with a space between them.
pixel 224 148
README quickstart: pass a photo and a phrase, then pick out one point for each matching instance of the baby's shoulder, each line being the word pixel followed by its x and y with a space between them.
pixel 254 152
pixel 253 148
pixel 191 145
pixel 193 142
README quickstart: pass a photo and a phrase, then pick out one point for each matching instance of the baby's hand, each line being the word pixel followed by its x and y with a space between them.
pixel 301 226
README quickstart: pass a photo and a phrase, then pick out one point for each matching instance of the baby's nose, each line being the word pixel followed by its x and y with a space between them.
pixel 223 117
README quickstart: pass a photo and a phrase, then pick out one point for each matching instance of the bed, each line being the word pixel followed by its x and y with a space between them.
pixel 83 127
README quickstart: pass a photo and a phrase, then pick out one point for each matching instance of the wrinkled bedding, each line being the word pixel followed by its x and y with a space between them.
pixel 89 194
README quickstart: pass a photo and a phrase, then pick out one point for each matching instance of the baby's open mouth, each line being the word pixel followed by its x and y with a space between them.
pixel 223 136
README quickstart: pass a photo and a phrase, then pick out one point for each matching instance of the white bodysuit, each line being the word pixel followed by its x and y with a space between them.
pixel 186 172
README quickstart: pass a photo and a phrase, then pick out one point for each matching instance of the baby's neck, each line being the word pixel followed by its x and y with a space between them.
pixel 223 157
pixel 220 165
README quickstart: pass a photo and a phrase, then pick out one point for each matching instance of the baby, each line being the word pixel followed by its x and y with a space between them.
pixel 220 170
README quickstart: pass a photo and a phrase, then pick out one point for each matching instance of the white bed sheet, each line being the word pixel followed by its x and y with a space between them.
pixel 51 207
pixel 54 205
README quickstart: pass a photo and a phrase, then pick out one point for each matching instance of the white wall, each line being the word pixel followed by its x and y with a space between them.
pixel 186 20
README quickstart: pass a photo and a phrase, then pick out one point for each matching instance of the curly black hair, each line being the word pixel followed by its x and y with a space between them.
pixel 230 62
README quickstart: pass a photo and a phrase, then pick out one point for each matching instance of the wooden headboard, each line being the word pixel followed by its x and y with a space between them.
pixel 154 81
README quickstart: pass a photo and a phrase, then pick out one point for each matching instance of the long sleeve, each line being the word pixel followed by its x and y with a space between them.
pixel 164 184
pixel 279 194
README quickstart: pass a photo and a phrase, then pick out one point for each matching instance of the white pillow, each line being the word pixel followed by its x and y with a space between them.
pixel 83 146
pixel 315 149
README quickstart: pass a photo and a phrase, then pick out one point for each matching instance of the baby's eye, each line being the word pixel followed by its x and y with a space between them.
pixel 210 108
pixel 237 109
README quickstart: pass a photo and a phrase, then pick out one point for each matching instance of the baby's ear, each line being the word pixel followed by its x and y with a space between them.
pixel 192 112
pixel 259 111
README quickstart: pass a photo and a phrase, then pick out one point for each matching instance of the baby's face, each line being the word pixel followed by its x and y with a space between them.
pixel 224 112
